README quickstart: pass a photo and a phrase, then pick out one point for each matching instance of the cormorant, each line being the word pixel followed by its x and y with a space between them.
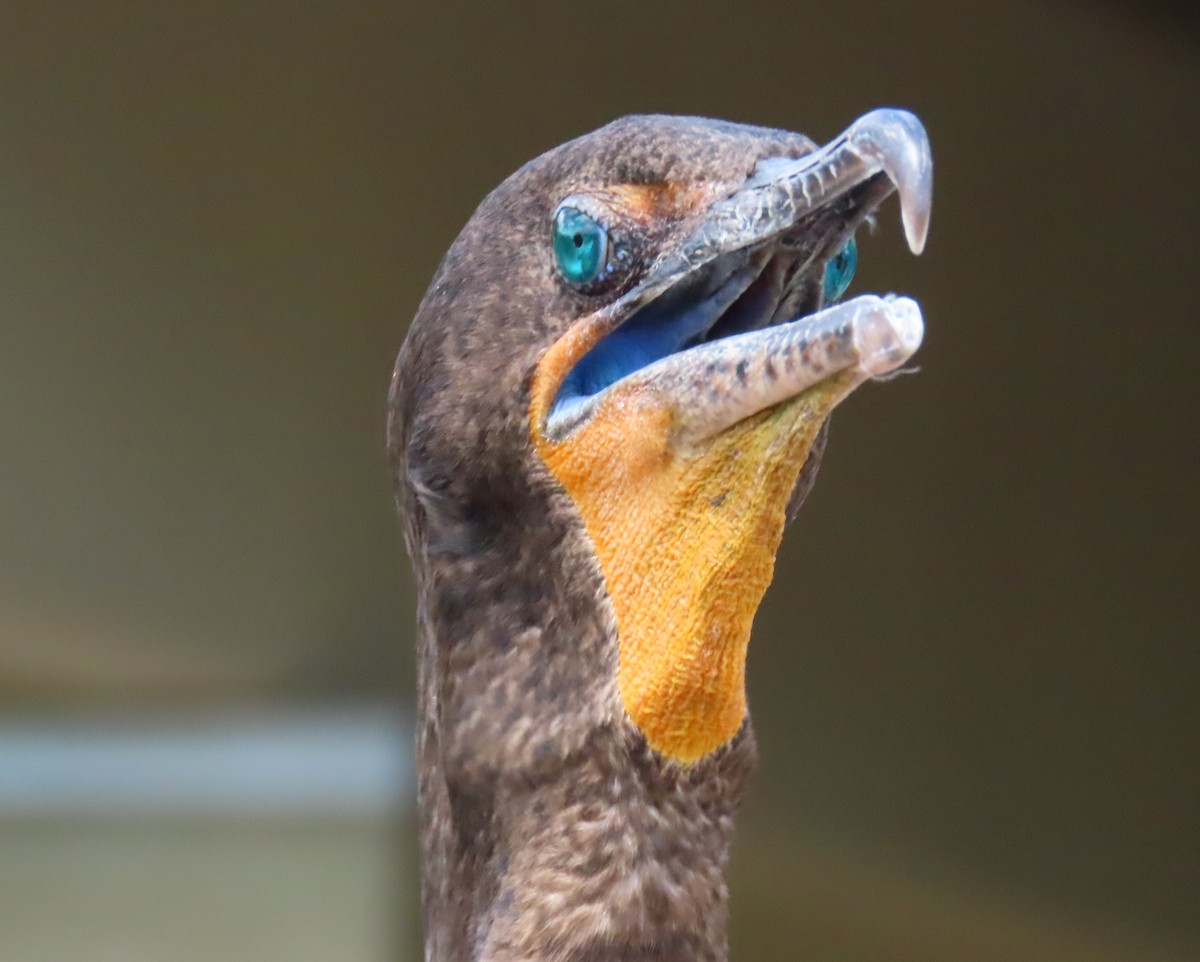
pixel 612 397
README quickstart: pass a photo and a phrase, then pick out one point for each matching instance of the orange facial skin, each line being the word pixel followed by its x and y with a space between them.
pixel 685 536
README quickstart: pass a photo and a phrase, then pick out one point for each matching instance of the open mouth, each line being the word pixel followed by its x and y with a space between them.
pixel 746 316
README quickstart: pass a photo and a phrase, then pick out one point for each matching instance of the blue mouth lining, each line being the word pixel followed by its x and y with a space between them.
pixel 672 323
pixel 703 309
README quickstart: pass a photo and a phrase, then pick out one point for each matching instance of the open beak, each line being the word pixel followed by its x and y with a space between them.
pixel 679 417
pixel 735 311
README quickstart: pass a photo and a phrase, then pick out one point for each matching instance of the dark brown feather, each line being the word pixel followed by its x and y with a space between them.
pixel 550 831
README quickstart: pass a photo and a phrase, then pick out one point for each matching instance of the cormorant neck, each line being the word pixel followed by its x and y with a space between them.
pixel 550 830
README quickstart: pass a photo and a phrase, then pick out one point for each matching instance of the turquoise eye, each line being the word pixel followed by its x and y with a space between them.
pixel 580 245
pixel 839 272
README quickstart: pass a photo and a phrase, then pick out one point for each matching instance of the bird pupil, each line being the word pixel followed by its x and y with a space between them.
pixel 578 239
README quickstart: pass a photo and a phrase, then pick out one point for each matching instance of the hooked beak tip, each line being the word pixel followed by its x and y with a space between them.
pixel 895 142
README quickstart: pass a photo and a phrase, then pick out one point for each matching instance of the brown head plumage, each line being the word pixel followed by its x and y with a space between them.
pixel 594 461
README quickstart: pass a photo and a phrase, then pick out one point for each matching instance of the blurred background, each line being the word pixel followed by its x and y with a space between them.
pixel 975 678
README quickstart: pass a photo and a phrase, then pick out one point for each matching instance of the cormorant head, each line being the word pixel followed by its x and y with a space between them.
pixel 648 322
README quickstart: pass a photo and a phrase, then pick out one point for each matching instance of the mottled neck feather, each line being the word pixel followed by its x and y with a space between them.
pixel 550 830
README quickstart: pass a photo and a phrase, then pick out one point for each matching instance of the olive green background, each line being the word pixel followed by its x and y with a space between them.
pixel 975 678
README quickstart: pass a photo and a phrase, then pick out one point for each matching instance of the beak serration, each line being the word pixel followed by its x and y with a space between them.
pixel 781 190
